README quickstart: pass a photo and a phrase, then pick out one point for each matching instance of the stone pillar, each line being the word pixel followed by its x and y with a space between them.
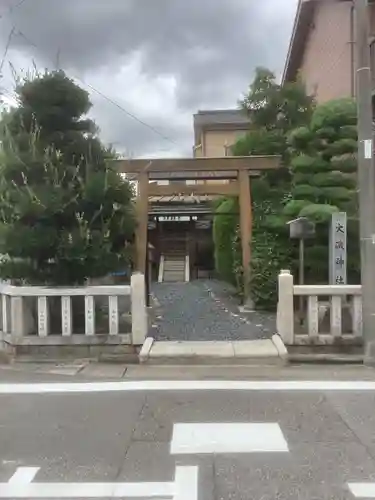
pixel 191 247
pixel 285 308
pixel 138 309
pixel 142 221
pixel 246 228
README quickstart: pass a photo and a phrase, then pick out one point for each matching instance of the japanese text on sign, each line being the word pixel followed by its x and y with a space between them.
pixel 338 251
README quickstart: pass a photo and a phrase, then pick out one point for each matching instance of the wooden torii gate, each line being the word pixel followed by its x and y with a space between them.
pixel 237 170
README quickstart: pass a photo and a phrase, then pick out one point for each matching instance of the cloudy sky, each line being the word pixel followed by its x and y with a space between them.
pixel 157 60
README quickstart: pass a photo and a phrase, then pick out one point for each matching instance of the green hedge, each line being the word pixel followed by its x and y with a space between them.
pixel 271 248
pixel 224 229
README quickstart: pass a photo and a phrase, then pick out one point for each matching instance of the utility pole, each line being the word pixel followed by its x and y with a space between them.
pixel 366 176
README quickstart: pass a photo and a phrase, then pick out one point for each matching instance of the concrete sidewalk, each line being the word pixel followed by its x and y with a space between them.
pixel 85 371
pixel 237 352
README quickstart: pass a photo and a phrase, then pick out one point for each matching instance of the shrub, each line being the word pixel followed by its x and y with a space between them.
pixel 224 229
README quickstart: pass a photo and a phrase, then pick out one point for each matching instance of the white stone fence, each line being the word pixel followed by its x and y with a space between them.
pixel 342 304
pixel 19 327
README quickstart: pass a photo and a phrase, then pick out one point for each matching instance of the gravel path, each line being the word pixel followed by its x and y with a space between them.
pixel 204 310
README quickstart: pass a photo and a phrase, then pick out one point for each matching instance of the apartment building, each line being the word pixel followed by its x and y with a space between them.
pixel 215 131
pixel 180 226
pixel 322 48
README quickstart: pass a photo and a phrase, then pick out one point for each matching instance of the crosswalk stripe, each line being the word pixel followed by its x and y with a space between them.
pixel 362 490
pixel 227 438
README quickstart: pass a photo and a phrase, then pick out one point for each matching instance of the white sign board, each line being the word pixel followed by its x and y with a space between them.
pixel 174 218
pixel 367 149
pixel 338 249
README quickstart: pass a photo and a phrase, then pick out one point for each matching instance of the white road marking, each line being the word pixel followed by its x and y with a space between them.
pixel 227 438
pixel 88 490
pixel 186 385
pixel 24 475
pixel 20 487
pixel 362 490
pixel 186 482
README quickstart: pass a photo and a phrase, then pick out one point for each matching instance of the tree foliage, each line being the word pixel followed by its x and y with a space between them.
pixel 275 107
pixel 274 111
pixel 324 162
pixel 65 213
pixel 324 179
pixel 272 251
pixel 317 147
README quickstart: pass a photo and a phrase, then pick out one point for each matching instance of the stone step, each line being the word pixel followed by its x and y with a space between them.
pixel 252 352
pixel 176 251
pixel 174 278
pixel 173 267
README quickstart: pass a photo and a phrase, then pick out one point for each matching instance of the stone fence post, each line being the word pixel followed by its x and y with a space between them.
pixel 285 307
pixel 138 309
pixel 21 319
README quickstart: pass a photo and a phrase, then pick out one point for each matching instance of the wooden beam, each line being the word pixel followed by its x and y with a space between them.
pixel 198 164
pixel 194 175
pixel 142 220
pixel 246 229
pixel 230 189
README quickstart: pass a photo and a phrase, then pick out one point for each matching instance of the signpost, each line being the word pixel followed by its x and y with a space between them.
pixel 338 249
pixel 301 229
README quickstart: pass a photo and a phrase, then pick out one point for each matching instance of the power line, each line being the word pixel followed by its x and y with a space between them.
pixel 11 8
pixel 107 98
pixel 119 106
pixel 9 41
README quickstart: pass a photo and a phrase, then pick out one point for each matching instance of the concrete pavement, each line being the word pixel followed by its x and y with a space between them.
pixel 197 440
pixel 243 352
pixel 86 370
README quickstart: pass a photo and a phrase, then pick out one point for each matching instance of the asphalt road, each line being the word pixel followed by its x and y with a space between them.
pixel 315 443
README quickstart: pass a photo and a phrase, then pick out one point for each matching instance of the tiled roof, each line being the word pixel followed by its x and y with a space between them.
pixel 221 117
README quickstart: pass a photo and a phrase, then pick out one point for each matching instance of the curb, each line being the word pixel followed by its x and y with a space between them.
pixel 144 353
pixel 5 359
pixel 255 352
pixel 332 359
pixel 280 346
pixel 6 354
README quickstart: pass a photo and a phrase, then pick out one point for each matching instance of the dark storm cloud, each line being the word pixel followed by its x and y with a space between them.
pixel 211 47
pixel 205 43
pixel 134 139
